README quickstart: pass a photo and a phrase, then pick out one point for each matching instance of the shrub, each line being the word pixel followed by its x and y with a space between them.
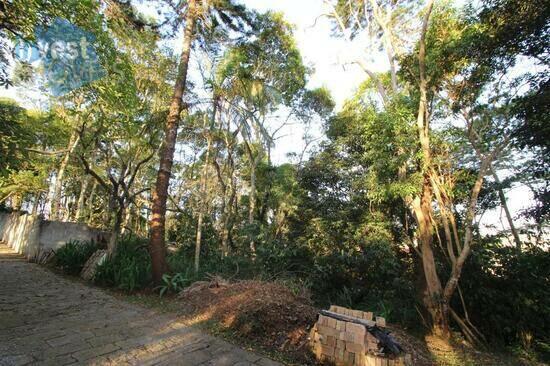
pixel 174 283
pixel 211 262
pixel 72 256
pixel 374 279
pixel 508 295
pixel 129 268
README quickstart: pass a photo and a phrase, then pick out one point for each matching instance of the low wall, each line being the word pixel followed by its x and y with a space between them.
pixel 31 235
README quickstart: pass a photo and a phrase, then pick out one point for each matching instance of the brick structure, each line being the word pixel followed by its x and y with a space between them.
pixel 348 343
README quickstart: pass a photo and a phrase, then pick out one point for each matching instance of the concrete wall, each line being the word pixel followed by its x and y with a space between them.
pixel 31 235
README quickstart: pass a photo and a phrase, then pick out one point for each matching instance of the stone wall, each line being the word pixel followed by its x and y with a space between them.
pixel 31 235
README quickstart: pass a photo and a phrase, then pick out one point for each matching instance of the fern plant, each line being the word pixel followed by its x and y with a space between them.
pixel 129 268
pixel 174 283
pixel 72 256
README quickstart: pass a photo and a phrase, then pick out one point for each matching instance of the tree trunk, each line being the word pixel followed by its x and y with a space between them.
pixel 36 203
pixel 127 222
pixel 504 204
pixel 433 297
pixel 227 218
pixel 254 161
pixel 81 199
pixel 198 239
pixel 56 199
pixel 422 206
pixel 68 205
pixel 202 208
pixel 16 201
pixel 115 231
pixel 90 203
pixel 157 247
pixel 252 206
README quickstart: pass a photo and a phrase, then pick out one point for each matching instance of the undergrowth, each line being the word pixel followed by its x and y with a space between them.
pixel 129 268
pixel 72 256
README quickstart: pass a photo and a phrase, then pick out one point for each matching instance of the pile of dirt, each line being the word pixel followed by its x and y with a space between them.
pixel 420 355
pixel 265 313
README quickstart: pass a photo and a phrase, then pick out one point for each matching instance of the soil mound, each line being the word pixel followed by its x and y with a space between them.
pixel 268 314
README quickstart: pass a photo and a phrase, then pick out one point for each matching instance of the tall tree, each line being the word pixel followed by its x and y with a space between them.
pixel 197 16
pixel 157 248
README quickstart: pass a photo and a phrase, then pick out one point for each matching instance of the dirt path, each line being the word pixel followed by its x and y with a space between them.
pixel 48 320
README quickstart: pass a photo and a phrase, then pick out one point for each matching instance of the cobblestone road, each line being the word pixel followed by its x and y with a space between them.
pixel 48 320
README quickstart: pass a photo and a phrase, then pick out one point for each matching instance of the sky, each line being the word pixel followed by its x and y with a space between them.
pixel 325 54
pixel 321 52
pixel 319 49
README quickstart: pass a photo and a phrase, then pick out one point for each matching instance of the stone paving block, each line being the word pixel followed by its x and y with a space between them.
pixel 11 321
pixel 106 339
pixel 58 361
pixel 62 340
pixel 15 360
pixel 225 359
pixel 244 355
pixel 64 349
pixel 267 362
pixel 54 321
pixel 95 352
pixel 195 358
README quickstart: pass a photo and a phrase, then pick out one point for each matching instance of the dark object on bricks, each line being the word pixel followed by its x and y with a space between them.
pixel 388 344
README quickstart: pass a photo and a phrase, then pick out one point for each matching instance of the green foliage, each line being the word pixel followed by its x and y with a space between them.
pixel 13 134
pixel 338 224
pixel 174 283
pixel 72 256
pixel 266 71
pixel 373 278
pixel 129 268
pixel 508 294
pixel 232 266
pixel 22 169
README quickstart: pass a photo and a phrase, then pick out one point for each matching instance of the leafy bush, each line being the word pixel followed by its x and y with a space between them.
pixel 508 295
pixel 374 279
pixel 174 283
pixel 129 268
pixel 212 263
pixel 72 256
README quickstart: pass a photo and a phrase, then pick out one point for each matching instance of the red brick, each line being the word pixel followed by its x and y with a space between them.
pixel 327 351
pixel 323 320
pixel 355 347
pixel 341 325
pixel 339 354
pixel 331 322
pixel 356 329
pixel 327 331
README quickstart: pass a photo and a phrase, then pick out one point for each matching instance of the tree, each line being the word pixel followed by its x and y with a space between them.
pixel 30 142
pixel 483 102
pixel 18 20
pixel 262 76
pixel 194 14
